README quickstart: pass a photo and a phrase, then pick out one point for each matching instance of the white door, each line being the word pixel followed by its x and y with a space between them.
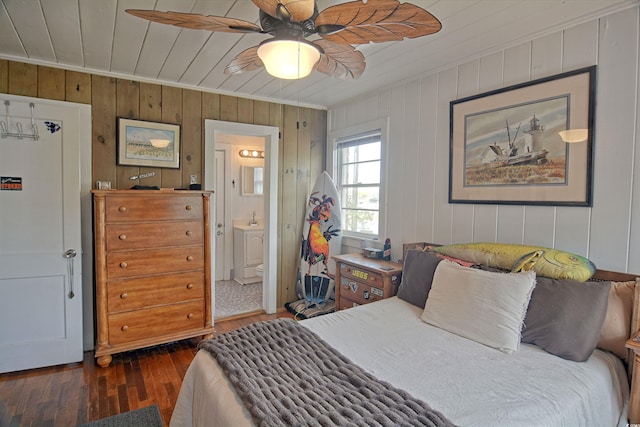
pixel 221 236
pixel 40 237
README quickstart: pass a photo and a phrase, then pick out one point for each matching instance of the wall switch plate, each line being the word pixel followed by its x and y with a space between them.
pixel 193 179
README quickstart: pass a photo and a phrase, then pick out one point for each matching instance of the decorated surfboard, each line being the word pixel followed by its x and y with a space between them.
pixel 321 239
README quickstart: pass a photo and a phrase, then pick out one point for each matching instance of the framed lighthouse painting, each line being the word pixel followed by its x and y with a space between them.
pixel 527 144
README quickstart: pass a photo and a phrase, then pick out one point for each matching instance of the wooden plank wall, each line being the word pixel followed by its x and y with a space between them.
pixel 301 147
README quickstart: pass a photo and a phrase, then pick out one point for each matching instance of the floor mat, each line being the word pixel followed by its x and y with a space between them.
pixel 301 311
pixel 144 417
pixel 232 298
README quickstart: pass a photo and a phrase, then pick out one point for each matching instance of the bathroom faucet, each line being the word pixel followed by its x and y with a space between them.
pixel 253 221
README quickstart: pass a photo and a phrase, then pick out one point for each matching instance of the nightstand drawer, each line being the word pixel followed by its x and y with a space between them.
pixel 360 274
pixel 153 235
pixel 344 303
pixel 359 292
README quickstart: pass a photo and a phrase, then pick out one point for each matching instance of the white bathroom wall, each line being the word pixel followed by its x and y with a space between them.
pixel 242 207
pixel 418 175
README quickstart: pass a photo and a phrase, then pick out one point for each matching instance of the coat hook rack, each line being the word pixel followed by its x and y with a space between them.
pixel 4 126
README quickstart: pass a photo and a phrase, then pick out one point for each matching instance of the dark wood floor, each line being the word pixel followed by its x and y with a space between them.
pixel 77 393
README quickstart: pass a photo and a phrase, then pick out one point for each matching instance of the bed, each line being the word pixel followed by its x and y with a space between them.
pixel 472 380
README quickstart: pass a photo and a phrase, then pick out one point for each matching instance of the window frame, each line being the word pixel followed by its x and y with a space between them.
pixel 381 126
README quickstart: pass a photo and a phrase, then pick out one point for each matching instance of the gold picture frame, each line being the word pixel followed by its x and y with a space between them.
pixel 509 146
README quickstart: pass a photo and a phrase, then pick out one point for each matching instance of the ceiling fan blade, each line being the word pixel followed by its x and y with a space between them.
pixel 340 60
pixel 287 10
pixel 375 22
pixel 247 60
pixel 196 21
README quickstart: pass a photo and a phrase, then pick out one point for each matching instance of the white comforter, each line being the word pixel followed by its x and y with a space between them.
pixel 473 385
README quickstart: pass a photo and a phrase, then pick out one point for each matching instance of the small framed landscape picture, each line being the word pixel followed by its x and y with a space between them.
pixel 148 144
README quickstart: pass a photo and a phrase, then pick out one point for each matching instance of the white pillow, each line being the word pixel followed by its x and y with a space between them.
pixel 483 306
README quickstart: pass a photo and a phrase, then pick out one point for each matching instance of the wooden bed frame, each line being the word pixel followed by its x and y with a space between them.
pixel 633 343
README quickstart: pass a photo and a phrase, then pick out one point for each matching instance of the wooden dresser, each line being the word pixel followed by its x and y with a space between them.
pixel 152 268
pixel 361 280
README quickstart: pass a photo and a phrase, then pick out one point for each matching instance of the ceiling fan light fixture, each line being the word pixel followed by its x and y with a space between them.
pixel 288 59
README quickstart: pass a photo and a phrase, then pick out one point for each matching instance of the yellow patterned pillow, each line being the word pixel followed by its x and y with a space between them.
pixel 551 263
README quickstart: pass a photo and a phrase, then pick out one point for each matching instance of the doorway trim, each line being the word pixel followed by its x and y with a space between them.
pixel 227 266
pixel 270 134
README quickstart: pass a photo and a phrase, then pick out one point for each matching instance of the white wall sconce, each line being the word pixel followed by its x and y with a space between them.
pixel 255 154
pixel 574 135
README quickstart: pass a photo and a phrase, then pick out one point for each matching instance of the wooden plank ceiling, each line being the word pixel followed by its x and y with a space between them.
pixel 99 37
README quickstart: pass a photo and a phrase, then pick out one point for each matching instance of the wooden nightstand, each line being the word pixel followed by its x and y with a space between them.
pixel 361 280
pixel 634 399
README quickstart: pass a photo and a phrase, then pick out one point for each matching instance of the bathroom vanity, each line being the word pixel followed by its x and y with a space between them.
pixel 247 253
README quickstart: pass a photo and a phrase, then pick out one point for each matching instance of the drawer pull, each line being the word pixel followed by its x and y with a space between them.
pixel 189 258
pixel 122 237
pixel 124 264
pixel 188 207
pixel 190 316
pixel 190 286
pixel 122 208
pixel 189 233
pixel 125 328
pixel 123 295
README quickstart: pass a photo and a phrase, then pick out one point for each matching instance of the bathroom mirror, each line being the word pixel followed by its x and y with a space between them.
pixel 252 180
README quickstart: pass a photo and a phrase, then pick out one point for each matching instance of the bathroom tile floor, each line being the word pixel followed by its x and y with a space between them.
pixel 232 298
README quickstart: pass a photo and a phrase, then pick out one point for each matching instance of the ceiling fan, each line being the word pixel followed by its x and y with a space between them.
pixel 288 54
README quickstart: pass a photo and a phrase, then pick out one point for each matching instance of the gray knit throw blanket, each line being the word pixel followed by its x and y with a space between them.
pixel 288 376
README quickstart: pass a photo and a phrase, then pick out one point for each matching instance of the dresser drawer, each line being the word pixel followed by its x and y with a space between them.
pixel 153 234
pixel 359 292
pixel 155 322
pixel 154 261
pixel 152 208
pixel 132 294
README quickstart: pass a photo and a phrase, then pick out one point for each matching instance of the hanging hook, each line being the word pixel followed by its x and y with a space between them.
pixel 34 127
pixel 6 126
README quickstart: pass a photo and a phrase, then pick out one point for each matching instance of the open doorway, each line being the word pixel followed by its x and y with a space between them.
pixel 223 173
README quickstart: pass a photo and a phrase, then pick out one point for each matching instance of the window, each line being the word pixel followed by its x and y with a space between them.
pixel 358 173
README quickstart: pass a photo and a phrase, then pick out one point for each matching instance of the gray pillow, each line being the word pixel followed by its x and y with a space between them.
pixel 417 275
pixel 565 317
